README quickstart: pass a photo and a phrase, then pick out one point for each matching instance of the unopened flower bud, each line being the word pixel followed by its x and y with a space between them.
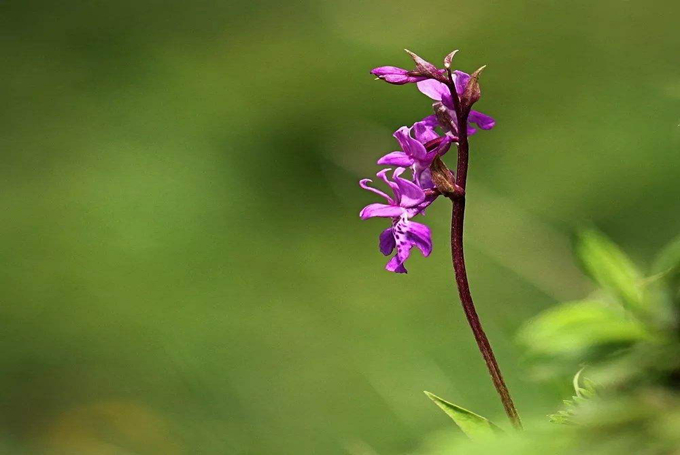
pixel 443 178
pixel 472 91
pixel 445 118
pixel 425 68
pixel 396 76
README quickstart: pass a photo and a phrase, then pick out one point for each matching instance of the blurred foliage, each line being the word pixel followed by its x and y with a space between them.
pixel 630 400
pixel 583 394
pixel 183 269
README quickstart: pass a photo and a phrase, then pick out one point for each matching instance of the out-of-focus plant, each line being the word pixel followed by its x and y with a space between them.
pixel 626 341
pixel 582 395
pixel 623 339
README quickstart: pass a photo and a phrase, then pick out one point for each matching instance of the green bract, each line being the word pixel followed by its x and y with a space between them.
pixel 473 425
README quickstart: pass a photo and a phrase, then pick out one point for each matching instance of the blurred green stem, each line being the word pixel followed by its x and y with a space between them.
pixel 458 257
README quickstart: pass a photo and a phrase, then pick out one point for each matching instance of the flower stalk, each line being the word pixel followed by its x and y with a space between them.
pixel 421 148
pixel 458 259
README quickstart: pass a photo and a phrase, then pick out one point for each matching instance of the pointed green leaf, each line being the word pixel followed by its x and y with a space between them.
pixel 611 268
pixel 473 425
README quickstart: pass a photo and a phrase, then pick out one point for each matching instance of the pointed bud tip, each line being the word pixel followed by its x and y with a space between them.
pixel 479 71
pixel 449 58
pixel 423 67
pixel 416 58
pixel 472 92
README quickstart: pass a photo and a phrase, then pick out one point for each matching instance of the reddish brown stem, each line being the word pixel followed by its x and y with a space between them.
pixel 458 257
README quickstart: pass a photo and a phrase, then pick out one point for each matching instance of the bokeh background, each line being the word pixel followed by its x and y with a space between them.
pixel 183 268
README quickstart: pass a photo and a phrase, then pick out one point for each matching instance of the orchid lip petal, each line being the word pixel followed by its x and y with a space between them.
pixel 403 246
pixel 421 236
pixel 386 241
pixel 396 266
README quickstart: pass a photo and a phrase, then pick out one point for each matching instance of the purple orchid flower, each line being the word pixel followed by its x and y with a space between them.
pixel 404 235
pixel 420 145
pixel 418 152
pixel 408 201
pixel 440 92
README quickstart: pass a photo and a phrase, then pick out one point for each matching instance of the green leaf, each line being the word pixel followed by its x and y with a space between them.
pixel 571 328
pixel 668 259
pixel 611 268
pixel 667 267
pixel 473 425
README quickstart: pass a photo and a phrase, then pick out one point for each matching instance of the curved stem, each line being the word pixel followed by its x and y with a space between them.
pixel 458 257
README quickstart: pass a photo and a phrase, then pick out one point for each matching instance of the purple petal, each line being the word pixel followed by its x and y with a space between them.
pixel 420 208
pixel 424 132
pixel 433 89
pixel 396 159
pixel 421 237
pixel 395 188
pixel 364 184
pixel 396 265
pixel 403 246
pixel 410 193
pixel 424 179
pixel 431 121
pixel 482 120
pixel 447 100
pixel 437 91
pixel 410 146
pixel 460 81
pixel 380 210
pixel 387 242
pixel 425 204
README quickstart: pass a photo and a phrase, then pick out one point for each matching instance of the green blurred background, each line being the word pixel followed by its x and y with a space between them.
pixel 183 268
